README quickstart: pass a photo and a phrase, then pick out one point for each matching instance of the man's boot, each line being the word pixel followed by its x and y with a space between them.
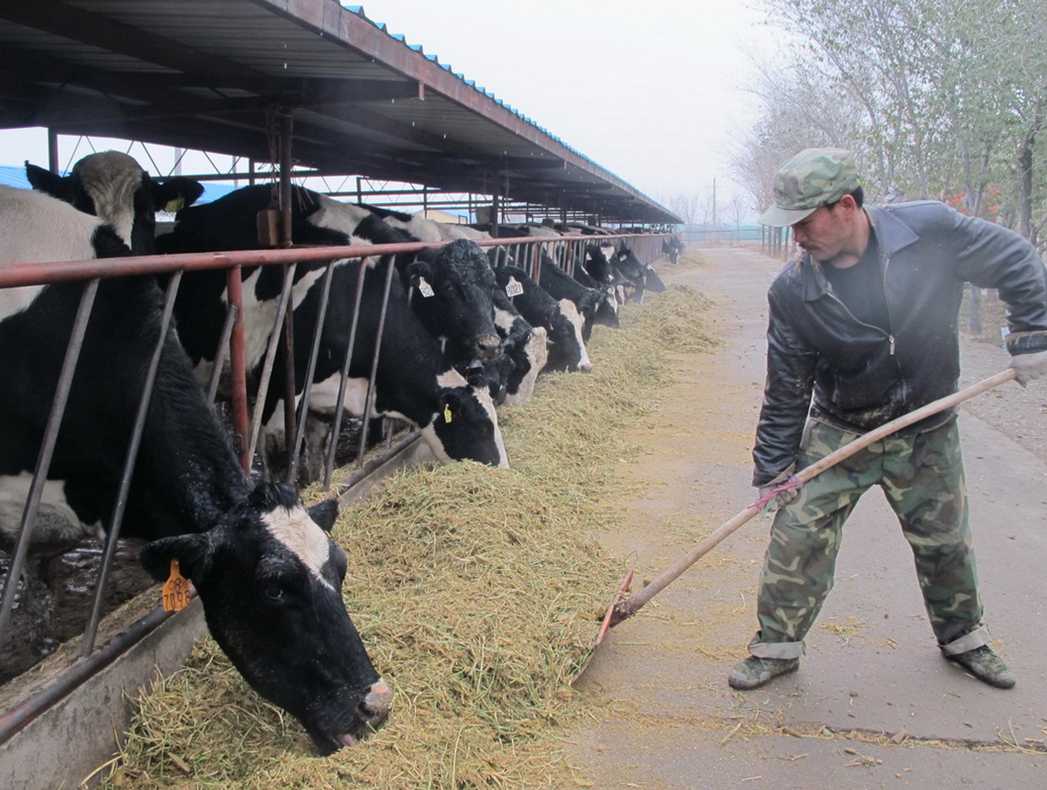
pixel 755 672
pixel 985 665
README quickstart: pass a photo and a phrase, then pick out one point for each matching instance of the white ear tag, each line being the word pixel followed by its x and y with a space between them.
pixel 424 288
pixel 513 288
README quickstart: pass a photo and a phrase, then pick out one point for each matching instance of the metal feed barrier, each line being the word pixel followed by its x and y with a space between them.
pixel 525 251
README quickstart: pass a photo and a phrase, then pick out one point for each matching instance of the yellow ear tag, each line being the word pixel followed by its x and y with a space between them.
pixel 176 590
pixel 447 414
pixel 174 204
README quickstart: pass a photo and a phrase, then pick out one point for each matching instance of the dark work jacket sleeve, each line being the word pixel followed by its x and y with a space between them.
pixel 786 398
pixel 991 256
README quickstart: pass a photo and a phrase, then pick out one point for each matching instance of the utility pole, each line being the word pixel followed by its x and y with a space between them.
pixel 714 203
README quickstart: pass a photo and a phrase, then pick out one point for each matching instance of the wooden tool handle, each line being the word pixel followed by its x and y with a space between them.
pixel 631 605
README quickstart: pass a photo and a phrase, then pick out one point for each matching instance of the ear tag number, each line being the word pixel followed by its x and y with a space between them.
pixel 424 288
pixel 513 288
pixel 447 415
pixel 174 205
pixel 176 590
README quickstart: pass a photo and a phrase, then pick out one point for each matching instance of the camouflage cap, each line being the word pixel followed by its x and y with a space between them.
pixel 812 178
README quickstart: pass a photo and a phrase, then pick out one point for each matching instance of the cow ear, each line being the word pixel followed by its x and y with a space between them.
pixel 193 553
pixel 417 270
pixel 54 185
pixel 324 514
pixel 174 194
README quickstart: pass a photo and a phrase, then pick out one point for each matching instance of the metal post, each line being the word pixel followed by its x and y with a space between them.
pixel 359 190
pixel 374 362
pixel 250 172
pixel 270 356
pixel 238 365
pixel 342 382
pixel 425 201
pixel 43 459
pixel 286 134
pixel 52 151
pixel 87 644
pixel 219 353
pixel 303 412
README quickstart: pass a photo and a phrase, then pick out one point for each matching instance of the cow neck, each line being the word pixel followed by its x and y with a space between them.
pixel 191 469
pixel 417 362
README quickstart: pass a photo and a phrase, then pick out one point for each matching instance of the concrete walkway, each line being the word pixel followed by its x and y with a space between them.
pixel 894 713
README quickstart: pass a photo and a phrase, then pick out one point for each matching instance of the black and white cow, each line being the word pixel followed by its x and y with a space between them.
pixel 113 186
pixel 559 318
pixel 673 247
pixel 414 382
pixel 229 223
pixel 449 295
pixel 525 346
pixel 267 573
pixel 587 301
pixel 452 299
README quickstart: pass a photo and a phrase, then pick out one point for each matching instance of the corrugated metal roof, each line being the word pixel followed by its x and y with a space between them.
pixel 207 74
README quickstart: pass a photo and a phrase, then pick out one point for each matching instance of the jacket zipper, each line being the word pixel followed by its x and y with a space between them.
pixel 889 334
pixel 846 309
pixel 887 307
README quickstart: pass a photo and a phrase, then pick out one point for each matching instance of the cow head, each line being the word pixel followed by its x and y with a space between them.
pixel 566 347
pixel 113 187
pixel 652 281
pixel 628 264
pixel 528 362
pixel 607 309
pixel 597 266
pixel 493 375
pixel 588 306
pixel 270 580
pixel 453 287
pixel 466 426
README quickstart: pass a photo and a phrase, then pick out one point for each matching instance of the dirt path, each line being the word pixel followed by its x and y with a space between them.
pixel 872 671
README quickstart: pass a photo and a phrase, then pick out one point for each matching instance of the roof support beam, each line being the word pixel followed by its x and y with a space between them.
pixel 99 30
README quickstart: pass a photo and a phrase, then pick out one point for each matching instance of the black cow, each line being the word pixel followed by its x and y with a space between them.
pixel 587 300
pixel 559 318
pixel 267 573
pixel 525 348
pixel 414 382
pixel 673 247
pixel 453 300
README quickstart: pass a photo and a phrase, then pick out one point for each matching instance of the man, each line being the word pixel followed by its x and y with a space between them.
pixel 866 320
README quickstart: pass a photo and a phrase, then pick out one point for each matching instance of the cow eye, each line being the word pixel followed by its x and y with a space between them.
pixel 275 593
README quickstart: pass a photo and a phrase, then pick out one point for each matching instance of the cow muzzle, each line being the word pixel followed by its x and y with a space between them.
pixel 371 712
pixel 488 346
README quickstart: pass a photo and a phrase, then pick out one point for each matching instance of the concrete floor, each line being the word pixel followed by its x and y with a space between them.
pixel 872 665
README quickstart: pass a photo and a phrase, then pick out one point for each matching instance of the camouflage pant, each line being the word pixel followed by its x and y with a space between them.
pixel 923 479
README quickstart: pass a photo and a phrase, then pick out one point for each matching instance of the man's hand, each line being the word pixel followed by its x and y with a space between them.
pixel 1028 367
pixel 782 498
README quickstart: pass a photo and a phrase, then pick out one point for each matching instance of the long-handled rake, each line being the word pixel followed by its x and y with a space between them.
pixel 622 608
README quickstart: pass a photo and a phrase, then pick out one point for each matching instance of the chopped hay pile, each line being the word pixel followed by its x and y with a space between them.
pixel 474 590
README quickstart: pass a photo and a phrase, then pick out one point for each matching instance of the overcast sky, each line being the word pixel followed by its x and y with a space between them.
pixel 654 91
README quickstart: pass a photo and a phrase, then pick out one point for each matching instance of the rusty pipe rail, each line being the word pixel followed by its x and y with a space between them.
pixel 20 274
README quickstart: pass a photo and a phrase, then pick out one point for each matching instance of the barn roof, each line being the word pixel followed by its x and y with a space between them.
pixel 212 74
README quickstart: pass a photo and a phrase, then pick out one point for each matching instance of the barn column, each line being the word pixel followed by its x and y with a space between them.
pixel 52 150
pixel 286 134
